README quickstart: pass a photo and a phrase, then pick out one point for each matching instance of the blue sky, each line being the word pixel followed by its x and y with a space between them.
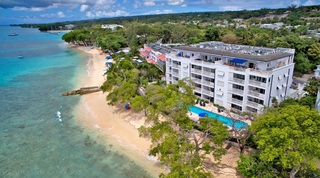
pixel 47 11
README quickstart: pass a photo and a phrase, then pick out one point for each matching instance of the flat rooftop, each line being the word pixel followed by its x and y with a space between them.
pixel 239 51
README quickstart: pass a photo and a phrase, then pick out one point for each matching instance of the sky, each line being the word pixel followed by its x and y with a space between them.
pixel 48 11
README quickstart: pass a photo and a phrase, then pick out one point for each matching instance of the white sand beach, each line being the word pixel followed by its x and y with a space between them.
pixel 117 127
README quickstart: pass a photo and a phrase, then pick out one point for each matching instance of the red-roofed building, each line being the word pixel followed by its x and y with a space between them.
pixel 151 61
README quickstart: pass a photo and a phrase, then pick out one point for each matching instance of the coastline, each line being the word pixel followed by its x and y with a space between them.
pixel 114 126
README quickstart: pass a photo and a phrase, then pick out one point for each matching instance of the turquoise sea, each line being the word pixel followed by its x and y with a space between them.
pixel 39 136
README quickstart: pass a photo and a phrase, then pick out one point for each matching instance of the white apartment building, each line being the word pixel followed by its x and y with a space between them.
pixel 238 77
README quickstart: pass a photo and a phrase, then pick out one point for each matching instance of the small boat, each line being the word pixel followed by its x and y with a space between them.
pixel 20 56
pixel 13 34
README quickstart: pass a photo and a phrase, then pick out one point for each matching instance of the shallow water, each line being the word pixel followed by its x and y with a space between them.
pixel 38 133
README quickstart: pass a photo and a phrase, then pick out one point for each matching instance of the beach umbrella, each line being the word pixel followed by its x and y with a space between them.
pixel 203 114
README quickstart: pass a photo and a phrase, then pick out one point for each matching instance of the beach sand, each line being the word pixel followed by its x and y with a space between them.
pixel 116 126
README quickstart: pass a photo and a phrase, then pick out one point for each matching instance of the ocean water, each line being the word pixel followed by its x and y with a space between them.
pixel 39 136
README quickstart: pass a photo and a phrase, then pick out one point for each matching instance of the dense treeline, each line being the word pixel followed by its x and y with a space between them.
pixel 135 34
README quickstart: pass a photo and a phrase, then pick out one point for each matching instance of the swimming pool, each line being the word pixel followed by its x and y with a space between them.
pixel 226 120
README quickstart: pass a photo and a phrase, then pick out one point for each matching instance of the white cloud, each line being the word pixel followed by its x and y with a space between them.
pixel 310 3
pixel 83 7
pixel 60 14
pixel 98 14
pixel 137 4
pixel 159 12
pixel 230 8
pixel 296 2
pixel 31 9
pixel 184 5
pixel 149 3
pixel 175 2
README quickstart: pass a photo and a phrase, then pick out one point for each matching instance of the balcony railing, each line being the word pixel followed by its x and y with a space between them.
pixel 175 66
pixel 197 89
pixel 236 101
pixel 208 92
pixel 254 93
pixel 257 83
pixel 196 71
pixel 211 74
pixel 236 80
pixel 196 79
pixel 175 73
pixel 254 104
pixel 207 83
pixel 202 62
pixel 237 91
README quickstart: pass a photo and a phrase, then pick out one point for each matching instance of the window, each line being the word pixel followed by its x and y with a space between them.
pixel 236 107
pixel 239 87
pixel 258 79
pixel 238 76
pixel 237 97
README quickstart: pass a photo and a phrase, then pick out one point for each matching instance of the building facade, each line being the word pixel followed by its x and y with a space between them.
pixel 237 77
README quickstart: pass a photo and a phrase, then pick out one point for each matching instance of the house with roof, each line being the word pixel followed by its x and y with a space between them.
pixel 154 54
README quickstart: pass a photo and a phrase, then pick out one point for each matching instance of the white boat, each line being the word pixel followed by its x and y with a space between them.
pixel 20 56
pixel 13 34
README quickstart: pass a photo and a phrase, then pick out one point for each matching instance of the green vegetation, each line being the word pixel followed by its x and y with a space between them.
pixel 287 141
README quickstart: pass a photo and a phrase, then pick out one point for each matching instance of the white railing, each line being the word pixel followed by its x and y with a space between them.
pixel 175 65
pixel 207 83
pixel 196 71
pixel 254 82
pixel 238 91
pixel 208 92
pixel 197 89
pixel 236 80
pixel 196 79
pixel 202 62
pixel 254 93
pixel 175 74
pixel 236 101
pixel 211 74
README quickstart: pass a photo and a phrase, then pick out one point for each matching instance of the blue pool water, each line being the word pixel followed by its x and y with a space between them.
pixel 226 120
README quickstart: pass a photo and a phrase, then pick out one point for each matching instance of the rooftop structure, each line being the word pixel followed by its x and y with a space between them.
pixel 111 26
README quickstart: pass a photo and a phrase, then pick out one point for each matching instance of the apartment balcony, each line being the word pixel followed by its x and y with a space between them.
pixel 196 71
pixel 237 91
pixel 175 74
pixel 176 66
pixel 202 62
pixel 197 89
pixel 207 83
pixel 255 105
pixel 257 83
pixel 207 73
pixel 196 79
pixel 236 101
pixel 256 94
pixel 236 80
pixel 207 92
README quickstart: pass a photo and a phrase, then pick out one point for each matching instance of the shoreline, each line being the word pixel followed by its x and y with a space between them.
pixel 114 126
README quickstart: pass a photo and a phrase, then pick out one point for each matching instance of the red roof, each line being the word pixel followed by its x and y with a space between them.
pixel 161 57
pixel 148 49
pixel 151 61
pixel 144 54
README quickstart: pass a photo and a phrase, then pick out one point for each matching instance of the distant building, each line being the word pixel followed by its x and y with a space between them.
pixel 111 26
pixel 69 26
pixel 237 77
pixel 317 104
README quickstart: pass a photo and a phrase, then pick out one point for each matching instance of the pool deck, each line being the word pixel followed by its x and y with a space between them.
pixel 211 108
